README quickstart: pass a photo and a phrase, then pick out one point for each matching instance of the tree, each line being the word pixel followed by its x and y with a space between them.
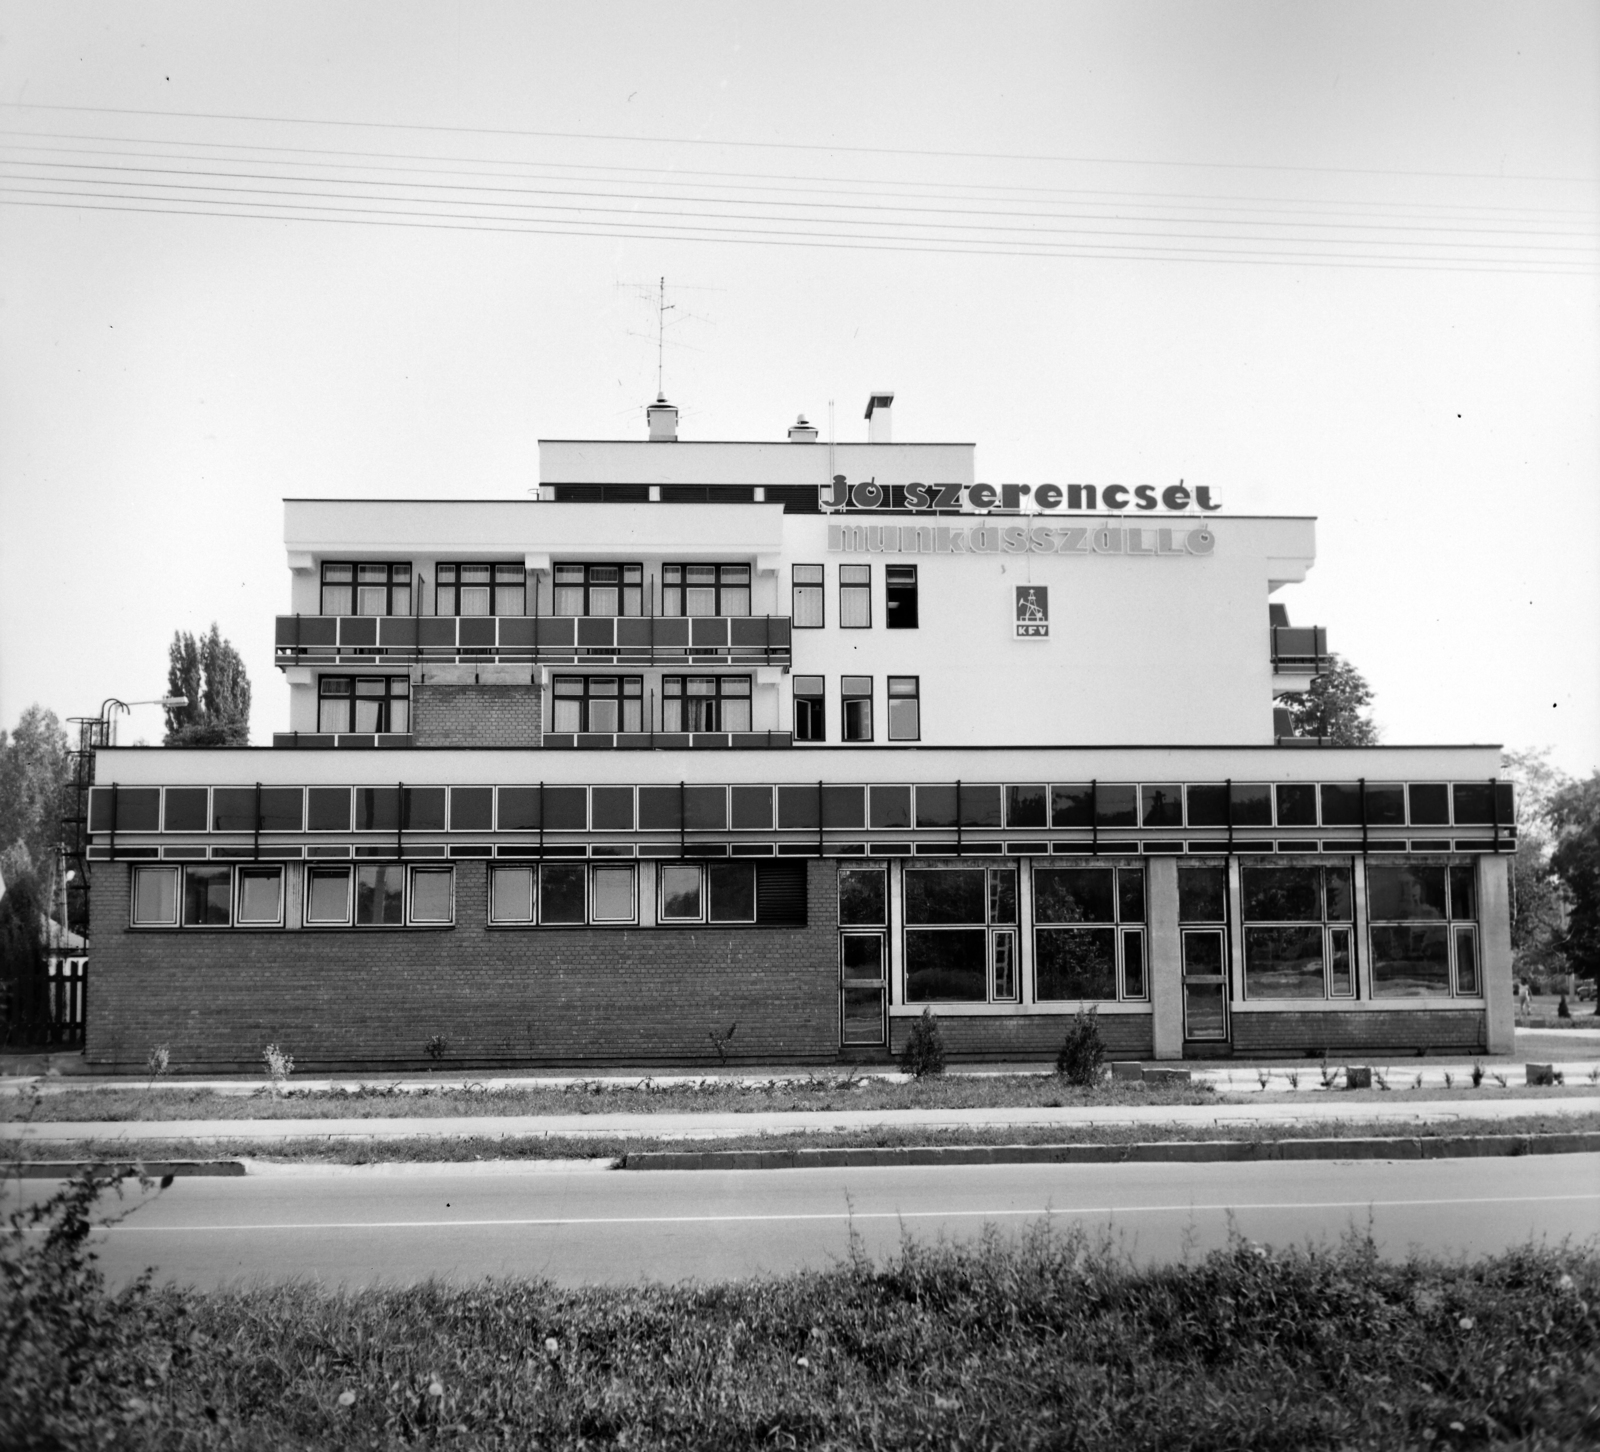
pixel 1575 816
pixel 1334 706
pixel 1538 900
pixel 35 783
pixel 211 675
pixel 22 961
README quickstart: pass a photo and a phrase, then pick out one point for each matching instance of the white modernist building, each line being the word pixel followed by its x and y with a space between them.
pixel 807 738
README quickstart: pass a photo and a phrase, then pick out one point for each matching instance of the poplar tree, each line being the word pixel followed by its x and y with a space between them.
pixel 209 672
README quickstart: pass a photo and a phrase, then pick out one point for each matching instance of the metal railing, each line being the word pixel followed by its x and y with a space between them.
pixel 1299 650
pixel 373 640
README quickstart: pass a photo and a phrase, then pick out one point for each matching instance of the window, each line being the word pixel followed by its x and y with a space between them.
pixel 597 703
pixel 705 589
pixel 806 611
pixel 564 894
pixel 863 897
pixel 855 597
pixel 379 895
pixel 212 896
pixel 855 696
pixel 1423 929
pixel 352 589
pixel 363 704
pixel 905 708
pixel 432 895
pixel 155 897
pixel 767 894
pixel 1298 933
pixel 481 590
pixel 599 589
pixel 705 703
pixel 960 935
pixel 900 596
pixel 260 897
pixel 327 896
pixel 810 711
pixel 1089 935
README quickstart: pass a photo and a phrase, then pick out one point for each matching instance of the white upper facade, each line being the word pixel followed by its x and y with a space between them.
pixel 1134 626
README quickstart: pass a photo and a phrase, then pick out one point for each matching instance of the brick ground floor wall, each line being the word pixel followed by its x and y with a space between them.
pixel 1027 1037
pixel 372 999
pixel 1440 1030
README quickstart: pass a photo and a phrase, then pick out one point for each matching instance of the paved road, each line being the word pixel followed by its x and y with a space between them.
pixel 582 1224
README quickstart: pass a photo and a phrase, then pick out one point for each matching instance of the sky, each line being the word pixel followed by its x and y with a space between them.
pixel 1335 260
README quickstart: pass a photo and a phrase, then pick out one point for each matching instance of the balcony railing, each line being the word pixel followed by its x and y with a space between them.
pixel 551 639
pixel 1299 650
pixel 583 741
pixel 343 740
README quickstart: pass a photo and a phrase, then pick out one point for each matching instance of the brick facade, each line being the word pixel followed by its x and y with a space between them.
pixel 1400 1031
pixel 370 999
pixel 451 714
pixel 1031 1036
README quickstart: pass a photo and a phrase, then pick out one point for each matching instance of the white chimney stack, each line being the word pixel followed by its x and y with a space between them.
pixel 663 418
pixel 879 428
pixel 801 432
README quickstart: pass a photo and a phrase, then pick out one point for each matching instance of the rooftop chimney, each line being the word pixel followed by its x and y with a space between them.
pixel 663 417
pixel 801 432
pixel 879 429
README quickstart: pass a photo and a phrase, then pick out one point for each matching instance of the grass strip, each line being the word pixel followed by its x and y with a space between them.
pixel 427 1149
pixel 1045 1339
pixel 821 1093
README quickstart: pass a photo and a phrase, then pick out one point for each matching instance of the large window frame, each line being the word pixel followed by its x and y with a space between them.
pixel 366 587
pixel 707 703
pixel 855 708
pixel 207 895
pixel 603 704
pixel 810 708
pixel 477 588
pixel 372 705
pixel 946 923
pixel 602 588
pixel 563 895
pixel 1282 926
pixel 855 597
pixel 1090 918
pixel 378 895
pixel 1441 928
pixel 900 597
pixel 705 589
pixel 904 708
pixel 807 598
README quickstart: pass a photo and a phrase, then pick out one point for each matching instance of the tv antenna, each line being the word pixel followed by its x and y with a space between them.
pixel 663 307
pixel 655 295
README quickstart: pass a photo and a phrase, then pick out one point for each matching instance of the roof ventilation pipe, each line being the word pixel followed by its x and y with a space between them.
pixel 663 417
pixel 879 428
pixel 801 432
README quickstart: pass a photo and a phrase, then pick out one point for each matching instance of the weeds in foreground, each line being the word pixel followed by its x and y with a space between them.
pixel 1477 1074
pixel 1051 1338
pixel 280 1064
pixel 923 1054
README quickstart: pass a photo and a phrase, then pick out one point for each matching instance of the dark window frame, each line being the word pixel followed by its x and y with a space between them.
pixel 1121 924
pixel 398 575
pixel 891 695
pixel 859 584
pixel 386 707
pixel 815 590
pixel 682 586
pixel 630 577
pixel 722 694
pixel 587 695
pixel 899 592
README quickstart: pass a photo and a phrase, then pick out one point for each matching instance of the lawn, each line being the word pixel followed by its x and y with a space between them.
pixel 1049 1340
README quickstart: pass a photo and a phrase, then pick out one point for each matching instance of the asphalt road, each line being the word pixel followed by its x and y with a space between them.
pixel 582 1224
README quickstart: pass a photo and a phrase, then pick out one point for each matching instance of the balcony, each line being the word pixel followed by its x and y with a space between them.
pixel 394 640
pixel 343 741
pixel 668 741
pixel 1299 650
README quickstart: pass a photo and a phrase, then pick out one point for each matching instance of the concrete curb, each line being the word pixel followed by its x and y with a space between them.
pixel 155 1169
pixel 1438 1147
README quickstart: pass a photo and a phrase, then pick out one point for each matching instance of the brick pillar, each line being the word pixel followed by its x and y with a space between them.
pixel 1165 954
pixel 1494 948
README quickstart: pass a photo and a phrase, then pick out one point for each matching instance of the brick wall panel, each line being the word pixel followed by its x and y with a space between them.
pixel 475 715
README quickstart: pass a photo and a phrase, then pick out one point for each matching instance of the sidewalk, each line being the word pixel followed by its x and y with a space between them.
pixel 722 1125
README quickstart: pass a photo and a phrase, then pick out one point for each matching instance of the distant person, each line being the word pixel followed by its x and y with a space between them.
pixel 1562 1011
pixel 1524 997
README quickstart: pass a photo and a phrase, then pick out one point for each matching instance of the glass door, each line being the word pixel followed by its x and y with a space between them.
pixel 863 989
pixel 1205 985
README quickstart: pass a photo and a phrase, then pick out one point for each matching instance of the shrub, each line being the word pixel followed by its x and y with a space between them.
pixel 1083 1052
pixel 924 1050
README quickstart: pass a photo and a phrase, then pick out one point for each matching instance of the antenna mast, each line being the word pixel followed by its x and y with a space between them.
pixel 662 309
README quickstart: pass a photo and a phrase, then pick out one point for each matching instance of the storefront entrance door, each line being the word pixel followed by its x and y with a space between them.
pixel 1205 985
pixel 863 989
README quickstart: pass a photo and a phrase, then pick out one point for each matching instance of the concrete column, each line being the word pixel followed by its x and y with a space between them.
pixel 1165 953
pixel 1494 952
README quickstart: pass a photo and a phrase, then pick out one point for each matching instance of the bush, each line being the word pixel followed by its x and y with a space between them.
pixel 924 1050
pixel 1083 1052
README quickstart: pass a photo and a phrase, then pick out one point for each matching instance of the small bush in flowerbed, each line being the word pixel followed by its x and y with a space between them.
pixel 1082 1057
pixel 1048 1340
pixel 924 1051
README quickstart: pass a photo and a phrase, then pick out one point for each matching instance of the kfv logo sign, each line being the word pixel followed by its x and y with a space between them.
pixel 1033 611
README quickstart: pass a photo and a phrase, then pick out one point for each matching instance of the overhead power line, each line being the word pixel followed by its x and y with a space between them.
pixel 783 145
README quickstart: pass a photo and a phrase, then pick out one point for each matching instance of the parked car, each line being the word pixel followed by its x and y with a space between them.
pixel 1585 989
